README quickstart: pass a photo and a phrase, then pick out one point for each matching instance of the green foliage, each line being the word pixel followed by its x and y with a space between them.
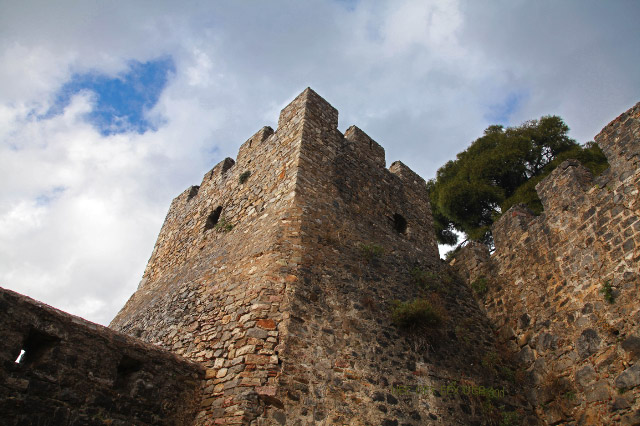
pixel 451 253
pixel 607 292
pixel 244 176
pixel 510 418
pixel 418 312
pixel 490 361
pixel 443 226
pixel 480 286
pixel 501 169
pixel 223 225
pixel 425 279
pixel 507 373
pixel 371 251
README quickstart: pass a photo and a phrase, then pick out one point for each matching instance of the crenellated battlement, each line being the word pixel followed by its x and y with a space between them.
pixel 271 158
pixel 308 107
pixel 563 285
pixel 247 149
pixel 565 188
pixel 244 249
pixel 365 146
pixel 619 141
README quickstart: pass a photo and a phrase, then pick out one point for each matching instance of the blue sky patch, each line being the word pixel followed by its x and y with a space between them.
pixel 500 113
pixel 122 101
pixel 50 196
pixel 350 5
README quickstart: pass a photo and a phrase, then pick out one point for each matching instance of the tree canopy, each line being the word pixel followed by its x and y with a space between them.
pixel 500 169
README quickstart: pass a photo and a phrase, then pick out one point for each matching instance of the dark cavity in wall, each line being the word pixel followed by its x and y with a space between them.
pixel 126 371
pixel 36 347
pixel 213 218
pixel 193 191
pixel 399 223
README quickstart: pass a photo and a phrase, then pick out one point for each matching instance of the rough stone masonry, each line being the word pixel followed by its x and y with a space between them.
pixel 268 300
pixel 260 274
pixel 563 286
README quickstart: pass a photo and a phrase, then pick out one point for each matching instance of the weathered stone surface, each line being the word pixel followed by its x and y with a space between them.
pixel 631 419
pixel 549 276
pixel 632 345
pixel 628 378
pixel 588 343
pixel 585 375
pixel 276 274
pixel 620 403
pixel 74 372
pixel 598 391
pixel 292 304
pixel 526 355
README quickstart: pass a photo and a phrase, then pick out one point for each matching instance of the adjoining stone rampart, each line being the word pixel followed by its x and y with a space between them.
pixel 73 372
pixel 563 286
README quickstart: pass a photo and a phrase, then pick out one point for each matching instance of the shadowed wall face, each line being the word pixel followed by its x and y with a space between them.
pixel 73 372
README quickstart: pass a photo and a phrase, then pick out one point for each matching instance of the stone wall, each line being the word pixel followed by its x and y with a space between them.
pixel 343 356
pixel 289 309
pixel 215 288
pixel 563 286
pixel 73 372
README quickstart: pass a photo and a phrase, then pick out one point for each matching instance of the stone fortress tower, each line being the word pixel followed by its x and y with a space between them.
pixel 276 273
pixel 269 296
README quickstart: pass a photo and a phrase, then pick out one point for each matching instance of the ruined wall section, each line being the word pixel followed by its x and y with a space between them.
pixel 75 372
pixel 547 282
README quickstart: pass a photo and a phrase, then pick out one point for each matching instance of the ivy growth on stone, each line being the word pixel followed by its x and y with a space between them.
pixel 607 292
pixel 223 225
pixel 244 176
pixel 510 418
pixel 371 251
pixel 418 312
pixel 480 286
pixel 425 279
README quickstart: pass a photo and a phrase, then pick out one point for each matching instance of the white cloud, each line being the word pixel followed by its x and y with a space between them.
pixel 416 23
pixel 79 212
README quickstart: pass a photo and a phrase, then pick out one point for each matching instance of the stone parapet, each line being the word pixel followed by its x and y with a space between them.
pixel 619 141
pixel 74 372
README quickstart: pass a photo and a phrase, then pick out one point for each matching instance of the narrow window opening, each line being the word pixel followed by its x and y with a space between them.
pixel 35 347
pixel 399 223
pixel 213 218
pixel 370 145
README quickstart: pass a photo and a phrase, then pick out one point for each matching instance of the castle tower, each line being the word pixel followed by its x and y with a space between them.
pixel 277 274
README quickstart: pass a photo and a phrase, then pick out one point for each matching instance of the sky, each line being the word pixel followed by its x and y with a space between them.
pixel 108 110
